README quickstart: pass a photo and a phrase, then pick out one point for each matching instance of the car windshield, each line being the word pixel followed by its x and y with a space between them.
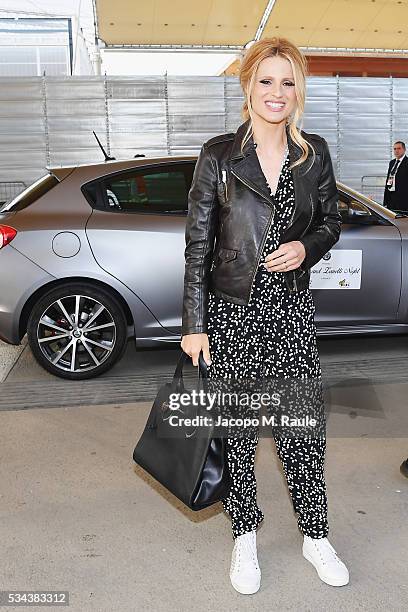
pixel 366 199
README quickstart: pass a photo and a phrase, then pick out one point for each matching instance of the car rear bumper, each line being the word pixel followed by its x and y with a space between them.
pixel 19 279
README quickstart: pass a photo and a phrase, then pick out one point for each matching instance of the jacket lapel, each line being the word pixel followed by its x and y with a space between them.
pixel 247 168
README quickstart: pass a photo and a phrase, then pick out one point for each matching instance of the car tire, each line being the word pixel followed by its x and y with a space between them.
pixel 77 331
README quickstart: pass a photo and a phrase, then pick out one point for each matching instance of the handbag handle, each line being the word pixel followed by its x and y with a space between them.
pixel 178 384
pixel 178 381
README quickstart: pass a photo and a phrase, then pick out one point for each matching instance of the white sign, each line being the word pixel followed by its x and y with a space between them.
pixel 338 269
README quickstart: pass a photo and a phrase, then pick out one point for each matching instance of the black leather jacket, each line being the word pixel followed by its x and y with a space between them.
pixel 228 221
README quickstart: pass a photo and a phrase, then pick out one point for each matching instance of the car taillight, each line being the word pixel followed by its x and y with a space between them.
pixel 7 234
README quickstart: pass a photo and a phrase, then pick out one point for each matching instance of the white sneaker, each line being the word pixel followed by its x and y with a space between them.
pixel 328 565
pixel 245 573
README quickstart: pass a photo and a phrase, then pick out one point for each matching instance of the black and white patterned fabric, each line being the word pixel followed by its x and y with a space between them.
pixel 274 335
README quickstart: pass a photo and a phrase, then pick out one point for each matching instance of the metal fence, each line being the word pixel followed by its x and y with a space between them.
pixel 49 120
pixel 9 189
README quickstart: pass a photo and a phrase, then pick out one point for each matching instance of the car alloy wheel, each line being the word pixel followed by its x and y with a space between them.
pixel 77 334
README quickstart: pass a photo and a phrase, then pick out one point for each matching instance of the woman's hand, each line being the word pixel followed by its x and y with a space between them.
pixel 287 257
pixel 192 344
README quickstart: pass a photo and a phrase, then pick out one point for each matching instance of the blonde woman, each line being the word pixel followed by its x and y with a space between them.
pixel 266 197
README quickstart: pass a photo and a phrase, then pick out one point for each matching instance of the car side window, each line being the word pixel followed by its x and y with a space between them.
pixel 163 189
pixel 353 211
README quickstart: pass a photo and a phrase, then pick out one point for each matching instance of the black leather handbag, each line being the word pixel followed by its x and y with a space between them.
pixel 189 462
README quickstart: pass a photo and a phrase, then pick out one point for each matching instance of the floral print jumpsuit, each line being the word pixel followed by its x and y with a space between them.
pixel 274 335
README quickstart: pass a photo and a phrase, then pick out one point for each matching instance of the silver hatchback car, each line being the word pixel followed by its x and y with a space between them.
pixel 92 255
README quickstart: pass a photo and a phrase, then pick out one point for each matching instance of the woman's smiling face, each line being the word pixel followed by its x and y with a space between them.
pixel 273 96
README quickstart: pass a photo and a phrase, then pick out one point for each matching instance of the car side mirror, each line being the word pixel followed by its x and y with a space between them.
pixel 355 212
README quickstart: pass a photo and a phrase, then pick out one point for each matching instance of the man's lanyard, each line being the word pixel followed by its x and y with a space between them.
pixel 395 167
pixel 391 176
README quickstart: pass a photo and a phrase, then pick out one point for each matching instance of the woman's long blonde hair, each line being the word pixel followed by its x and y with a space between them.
pixel 253 56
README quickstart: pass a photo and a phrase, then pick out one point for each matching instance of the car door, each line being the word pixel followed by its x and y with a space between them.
pixel 377 243
pixel 137 234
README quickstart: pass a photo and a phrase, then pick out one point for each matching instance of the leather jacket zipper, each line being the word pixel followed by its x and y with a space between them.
pixel 263 196
pixel 311 216
pixel 261 249
pixel 266 231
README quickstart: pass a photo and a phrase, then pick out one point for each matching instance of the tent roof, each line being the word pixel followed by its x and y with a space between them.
pixel 221 24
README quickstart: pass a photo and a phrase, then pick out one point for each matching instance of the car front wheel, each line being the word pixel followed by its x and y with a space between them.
pixel 77 331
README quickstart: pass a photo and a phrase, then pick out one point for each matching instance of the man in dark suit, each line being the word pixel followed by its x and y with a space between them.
pixel 396 185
